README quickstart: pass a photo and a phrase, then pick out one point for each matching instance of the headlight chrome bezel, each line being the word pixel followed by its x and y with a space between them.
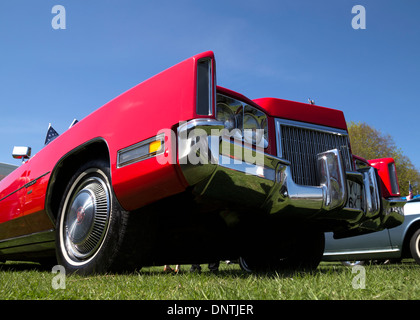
pixel 256 134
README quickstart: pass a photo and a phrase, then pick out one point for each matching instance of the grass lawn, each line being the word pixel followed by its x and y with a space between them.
pixel 25 281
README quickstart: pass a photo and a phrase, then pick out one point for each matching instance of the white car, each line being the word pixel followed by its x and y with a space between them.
pixel 397 243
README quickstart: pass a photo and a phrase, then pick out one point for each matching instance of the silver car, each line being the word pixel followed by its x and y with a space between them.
pixel 397 243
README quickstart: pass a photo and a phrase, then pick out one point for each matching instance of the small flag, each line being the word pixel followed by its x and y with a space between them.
pixel 51 135
pixel 410 191
pixel 73 123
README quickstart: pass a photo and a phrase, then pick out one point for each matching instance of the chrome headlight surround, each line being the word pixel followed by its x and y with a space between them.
pixel 243 121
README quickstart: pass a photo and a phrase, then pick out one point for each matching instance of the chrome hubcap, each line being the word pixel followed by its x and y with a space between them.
pixel 86 219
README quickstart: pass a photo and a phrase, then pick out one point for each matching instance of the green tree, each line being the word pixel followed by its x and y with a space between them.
pixel 369 143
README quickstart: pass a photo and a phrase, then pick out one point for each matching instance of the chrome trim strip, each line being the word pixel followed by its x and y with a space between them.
pixel 28 239
pixel 26 185
pixel 202 124
pixel 344 253
pixel 210 84
pixel 311 126
pixel 278 137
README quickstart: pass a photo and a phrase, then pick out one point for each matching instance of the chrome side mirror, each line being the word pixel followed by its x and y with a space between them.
pixel 23 153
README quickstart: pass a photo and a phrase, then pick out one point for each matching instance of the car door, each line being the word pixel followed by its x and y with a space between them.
pixel 12 200
pixel 358 247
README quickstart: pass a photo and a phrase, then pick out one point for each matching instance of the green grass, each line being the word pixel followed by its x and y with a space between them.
pixel 24 281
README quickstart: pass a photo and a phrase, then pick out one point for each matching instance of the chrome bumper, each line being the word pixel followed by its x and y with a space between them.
pixel 220 167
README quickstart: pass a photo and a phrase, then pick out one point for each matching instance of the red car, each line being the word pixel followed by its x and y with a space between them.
pixel 180 170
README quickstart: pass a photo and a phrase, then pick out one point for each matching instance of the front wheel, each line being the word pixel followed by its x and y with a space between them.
pixel 91 223
pixel 415 246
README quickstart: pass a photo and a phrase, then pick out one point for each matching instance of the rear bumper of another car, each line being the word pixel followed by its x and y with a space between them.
pixel 223 168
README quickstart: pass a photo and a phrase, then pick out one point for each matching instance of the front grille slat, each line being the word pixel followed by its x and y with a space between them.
pixel 300 143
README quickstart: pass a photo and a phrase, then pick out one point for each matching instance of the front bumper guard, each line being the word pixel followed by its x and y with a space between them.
pixel 221 167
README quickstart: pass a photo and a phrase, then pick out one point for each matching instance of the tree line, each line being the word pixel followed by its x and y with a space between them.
pixel 369 143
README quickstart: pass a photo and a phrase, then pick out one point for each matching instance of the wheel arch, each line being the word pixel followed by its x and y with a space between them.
pixel 96 149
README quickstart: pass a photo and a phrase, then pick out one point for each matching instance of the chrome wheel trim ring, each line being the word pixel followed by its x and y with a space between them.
pixel 85 219
pixel 418 245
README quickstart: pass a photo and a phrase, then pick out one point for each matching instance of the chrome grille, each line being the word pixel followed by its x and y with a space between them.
pixel 300 143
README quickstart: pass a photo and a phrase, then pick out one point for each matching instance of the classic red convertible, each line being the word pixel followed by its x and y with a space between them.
pixel 180 170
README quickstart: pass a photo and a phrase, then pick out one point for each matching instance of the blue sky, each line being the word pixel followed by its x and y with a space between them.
pixel 290 49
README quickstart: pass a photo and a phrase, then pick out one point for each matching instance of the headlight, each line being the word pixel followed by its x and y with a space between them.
pixel 226 115
pixel 252 130
pixel 249 121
